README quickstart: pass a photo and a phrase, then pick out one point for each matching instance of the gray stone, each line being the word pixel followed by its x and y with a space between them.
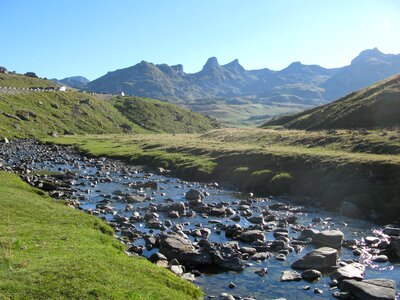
pixel 311 275
pixel 351 210
pixel 329 238
pixel 321 259
pixel 193 195
pixel 373 289
pixel 252 236
pixel 290 276
pixel 351 271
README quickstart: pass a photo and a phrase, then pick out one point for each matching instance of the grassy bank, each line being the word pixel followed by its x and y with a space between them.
pixel 350 166
pixel 51 251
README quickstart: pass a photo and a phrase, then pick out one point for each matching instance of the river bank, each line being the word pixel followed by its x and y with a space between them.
pixel 242 246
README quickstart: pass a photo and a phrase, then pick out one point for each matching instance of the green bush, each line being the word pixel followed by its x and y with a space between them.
pixel 258 180
pixel 240 176
pixel 280 183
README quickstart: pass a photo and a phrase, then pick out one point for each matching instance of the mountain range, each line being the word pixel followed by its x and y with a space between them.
pixel 238 96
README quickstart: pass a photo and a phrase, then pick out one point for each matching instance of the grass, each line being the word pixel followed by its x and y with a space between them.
pixel 40 114
pixel 21 81
pixel 51 251
pixel 331 166
pixel 377 106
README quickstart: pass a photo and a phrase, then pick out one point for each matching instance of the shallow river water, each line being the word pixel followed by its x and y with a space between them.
pixel 90 190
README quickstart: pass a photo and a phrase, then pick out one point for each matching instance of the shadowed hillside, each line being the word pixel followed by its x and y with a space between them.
pixel 377 106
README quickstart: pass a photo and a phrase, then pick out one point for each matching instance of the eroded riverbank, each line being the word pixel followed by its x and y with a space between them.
pixel 216 233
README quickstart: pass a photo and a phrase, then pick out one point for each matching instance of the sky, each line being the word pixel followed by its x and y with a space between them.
pixel 61 38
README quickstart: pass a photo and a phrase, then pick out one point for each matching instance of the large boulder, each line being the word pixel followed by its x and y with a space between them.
pixel 322 259
pixel 194 195
pixel 349 209
pixel 181 248
pixel 351 271
pixel 329 238
pixel 252 236
pixel 373 289
pixel 226 256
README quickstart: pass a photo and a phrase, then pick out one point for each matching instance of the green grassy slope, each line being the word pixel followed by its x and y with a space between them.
pixel 377 106
pixel 162 117
pixel 38 114
pixel 343 166
pixel 21 81
pixel 51 251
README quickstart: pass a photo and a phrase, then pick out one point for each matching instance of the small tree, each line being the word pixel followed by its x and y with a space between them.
pixel 3 70
pixel 31 74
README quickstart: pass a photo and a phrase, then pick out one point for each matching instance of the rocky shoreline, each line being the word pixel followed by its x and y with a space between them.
pixel 186 249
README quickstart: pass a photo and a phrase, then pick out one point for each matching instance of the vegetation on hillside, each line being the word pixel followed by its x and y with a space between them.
pixel 337 169
pixel 38 114
pixel 377 106
pixel 51 251
pixel 22 81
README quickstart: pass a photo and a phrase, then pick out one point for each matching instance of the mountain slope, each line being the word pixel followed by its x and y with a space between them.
pixel 228 91
pixel 77 82
pixel 377 106
pixel 25 113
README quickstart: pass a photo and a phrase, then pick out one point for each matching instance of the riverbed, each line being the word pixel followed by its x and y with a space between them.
pixel 100 186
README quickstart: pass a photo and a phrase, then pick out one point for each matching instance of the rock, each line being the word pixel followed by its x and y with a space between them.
pixel 395 246
pixel 308 233
pixel 252 236
pixel 155 257
pixel 173 214
pixel 311 275
pixel 321 259
pixel 5 140
pixel 329 238
pixel 290 276
pixel 341 295
pixel 194 195
pixel 134 199
pixel 373 289
pixel 256 220
pixel 231 285
pixel 261 272
pixel 176 246
pixel 261 256
pixel 177 270
pixel 351 210
pixel 226 256
pixel 318 291
pixel 380 258
pixel 177 206
pixel 350 271
pixel 391 231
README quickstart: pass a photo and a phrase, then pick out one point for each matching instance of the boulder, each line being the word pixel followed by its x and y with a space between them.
pixel 226 256
pixel 311 275
pixel 252 236
pixel 308 233
pixel 134 199
pixel 395 246
pixel 181 248
pixel 329 238
pixel 373 289
pixel 351 271
pixel 194 195
pixel 290 276
pixel 321 259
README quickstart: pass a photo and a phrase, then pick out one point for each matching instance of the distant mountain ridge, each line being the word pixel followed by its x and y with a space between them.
pixel 78 82
pixel 377 106
pixel 233 94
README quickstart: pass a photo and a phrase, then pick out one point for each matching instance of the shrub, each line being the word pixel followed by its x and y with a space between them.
pixel 280 183
pixel 258 180
pixel 240 176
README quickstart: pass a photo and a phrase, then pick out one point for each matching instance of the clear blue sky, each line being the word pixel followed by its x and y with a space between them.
pixel 60 38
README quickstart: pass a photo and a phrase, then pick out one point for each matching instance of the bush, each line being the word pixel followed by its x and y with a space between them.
pixel 258 180
pixel 280 183
pixel 240 176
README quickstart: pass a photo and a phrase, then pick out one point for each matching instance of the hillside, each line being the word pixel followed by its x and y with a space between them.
pixel 51 251
pixel 235 95
pixel 21 81
pixel 26 113
pixel 377 106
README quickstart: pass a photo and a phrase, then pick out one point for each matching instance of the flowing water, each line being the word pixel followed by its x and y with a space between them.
pixel 90 187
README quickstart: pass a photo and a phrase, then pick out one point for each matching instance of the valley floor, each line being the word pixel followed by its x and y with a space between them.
pixel 361 167
pixel 51 251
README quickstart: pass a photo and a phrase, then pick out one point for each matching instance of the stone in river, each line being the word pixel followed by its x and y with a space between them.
pixel 193 195
pixel 311 275
pixel 329 238
pixel 252 236
pixel 290 276
pixel 350 271
pixel 373 289
pixel 321 259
